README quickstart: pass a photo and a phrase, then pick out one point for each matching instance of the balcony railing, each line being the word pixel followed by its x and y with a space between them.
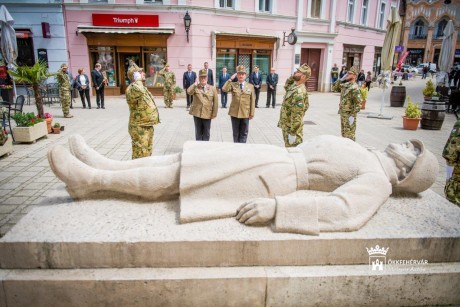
pixel 417 36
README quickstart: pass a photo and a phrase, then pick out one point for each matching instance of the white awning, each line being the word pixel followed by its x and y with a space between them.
pixel 126 30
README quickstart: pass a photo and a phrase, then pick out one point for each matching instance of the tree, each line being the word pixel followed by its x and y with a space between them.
pixel 34 75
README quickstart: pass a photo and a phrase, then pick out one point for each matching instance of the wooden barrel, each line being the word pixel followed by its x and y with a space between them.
pixel 397 96
pixel 433 113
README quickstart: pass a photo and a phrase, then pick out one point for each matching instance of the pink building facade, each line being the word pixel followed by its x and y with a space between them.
pixel 224 33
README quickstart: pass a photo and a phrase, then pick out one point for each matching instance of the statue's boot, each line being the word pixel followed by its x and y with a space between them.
pixel 151 183
pixel 86 154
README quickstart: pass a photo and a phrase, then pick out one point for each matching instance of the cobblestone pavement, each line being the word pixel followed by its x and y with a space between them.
pixel 26 179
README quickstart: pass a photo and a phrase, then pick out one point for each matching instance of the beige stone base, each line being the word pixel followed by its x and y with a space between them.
pixel 7 147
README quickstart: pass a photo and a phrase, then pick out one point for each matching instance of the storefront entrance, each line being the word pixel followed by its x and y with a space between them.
pixel 125 62
pixel 313 58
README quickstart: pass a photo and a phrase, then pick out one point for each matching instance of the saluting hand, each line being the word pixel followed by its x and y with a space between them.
pixel 233 76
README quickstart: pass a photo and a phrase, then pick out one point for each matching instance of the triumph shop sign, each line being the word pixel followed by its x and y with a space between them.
pixel 125 20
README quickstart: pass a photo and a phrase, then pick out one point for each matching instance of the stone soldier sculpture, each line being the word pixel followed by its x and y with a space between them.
pixel 217 180
pixel 295 104
pixel 204 106
pixel 451 153
pixel 65 83
pixel 243 104
pixel 168 86
pixel 143 114
pixel 350 104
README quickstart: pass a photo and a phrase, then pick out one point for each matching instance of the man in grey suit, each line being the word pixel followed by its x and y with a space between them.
pixel 272 81
pixel 210 75
pixel 188 79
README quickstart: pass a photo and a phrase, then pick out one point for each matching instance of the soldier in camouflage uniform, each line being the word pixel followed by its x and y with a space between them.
pixel 295 104
pixel 170 82
pixel 451 154
pixel 350 104
pixel 64 82
pixel 143 114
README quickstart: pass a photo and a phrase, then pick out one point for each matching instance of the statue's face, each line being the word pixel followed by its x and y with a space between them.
pixel 404 155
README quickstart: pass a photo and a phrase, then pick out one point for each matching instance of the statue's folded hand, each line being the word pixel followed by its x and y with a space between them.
pixel 256 211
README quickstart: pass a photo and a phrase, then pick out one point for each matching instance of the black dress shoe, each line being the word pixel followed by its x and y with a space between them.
pixel 267 106
pixel 98 107
pixel 103 107
pixel 273 107
pixel 84 107
pixel 257 107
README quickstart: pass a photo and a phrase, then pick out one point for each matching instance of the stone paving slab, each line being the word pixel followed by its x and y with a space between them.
pixel 106 131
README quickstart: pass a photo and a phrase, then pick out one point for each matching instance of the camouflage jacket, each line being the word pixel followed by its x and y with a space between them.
pixel 169 76
pixel 452 149
pixel 63 81
pixel 350 98
pixel 295 104
pixel 143 111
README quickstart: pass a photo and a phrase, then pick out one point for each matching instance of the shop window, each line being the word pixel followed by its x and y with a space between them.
pixel 106 57
pixel 153 1
pixel 364 10
pixel 261 58
pixel 25 52
pixel 350 11
pixel 227 58
pixel 227 4
pixel 98 1
pixel 316 8
pixel 265 5
pixel 154 60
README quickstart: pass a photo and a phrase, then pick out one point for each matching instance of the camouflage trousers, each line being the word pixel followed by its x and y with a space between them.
pixel 348 130
pixel 141 140
pixel 65 101
pixel 298 138
pixel 452 190
pixel 168 96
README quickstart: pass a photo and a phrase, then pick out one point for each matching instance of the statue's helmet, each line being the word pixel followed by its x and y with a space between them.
pixel 423 173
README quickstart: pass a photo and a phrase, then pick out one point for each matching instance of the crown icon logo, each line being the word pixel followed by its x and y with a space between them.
pixel 377 250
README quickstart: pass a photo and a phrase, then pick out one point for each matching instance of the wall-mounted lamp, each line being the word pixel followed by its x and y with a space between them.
pixel 46 30
pixel 187 23
pixel 76 33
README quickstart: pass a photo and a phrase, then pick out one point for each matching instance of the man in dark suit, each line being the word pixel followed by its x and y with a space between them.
pixel 210 75
pixel 99 83
pixel 256 80
pixel 272 81
pixel 189 79
pixel 223 77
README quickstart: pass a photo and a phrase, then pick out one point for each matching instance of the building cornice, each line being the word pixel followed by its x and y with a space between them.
pixel 360 27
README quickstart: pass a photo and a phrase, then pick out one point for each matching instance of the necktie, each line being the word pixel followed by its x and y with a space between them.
pixel 241 86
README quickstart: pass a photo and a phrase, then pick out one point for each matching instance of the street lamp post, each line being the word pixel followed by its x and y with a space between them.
pixel 187 23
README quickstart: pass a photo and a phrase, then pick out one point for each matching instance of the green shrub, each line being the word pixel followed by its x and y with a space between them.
pixel 412 109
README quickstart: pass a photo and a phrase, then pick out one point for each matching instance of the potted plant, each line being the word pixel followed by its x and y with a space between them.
pixel 7 93
pixel 177 90
pixel 6 143
pixel 49 121
pixel 429 90
pixel 57 128
pixel 29 127
pixel 34 75
pixel 412 116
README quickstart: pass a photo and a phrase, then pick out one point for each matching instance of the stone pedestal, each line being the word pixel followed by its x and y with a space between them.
pixel 118 252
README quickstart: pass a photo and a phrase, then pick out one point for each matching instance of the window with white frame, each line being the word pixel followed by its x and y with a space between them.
pixel 153 1
pixel 382 9
pixel 364 10
pixel 265 5
pixel 227 4
pixel 350 11
pixel 315 9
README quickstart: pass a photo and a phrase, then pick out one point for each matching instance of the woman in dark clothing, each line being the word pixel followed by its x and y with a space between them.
pixel 83 86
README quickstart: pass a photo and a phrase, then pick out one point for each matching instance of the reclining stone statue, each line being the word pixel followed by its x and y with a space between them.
pixel 257 182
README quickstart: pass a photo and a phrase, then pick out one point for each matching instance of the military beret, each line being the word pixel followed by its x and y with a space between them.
pixel 203 73
pixel 353 70
pixel 305 69
pixel 241 69
pixel 64 65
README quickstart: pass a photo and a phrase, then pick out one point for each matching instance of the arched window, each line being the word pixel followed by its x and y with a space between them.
pixel 419 29
pixel 441 26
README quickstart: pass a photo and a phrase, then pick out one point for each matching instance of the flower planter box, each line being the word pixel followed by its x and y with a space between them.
pixel 7 147
pixel 30 134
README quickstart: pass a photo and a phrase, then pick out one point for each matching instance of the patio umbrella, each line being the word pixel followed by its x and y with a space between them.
pixel 9 46
pixel 445 58
pixel 388 52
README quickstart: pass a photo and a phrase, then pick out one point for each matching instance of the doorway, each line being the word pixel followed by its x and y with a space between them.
pixel 125 60
pixel 313 58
